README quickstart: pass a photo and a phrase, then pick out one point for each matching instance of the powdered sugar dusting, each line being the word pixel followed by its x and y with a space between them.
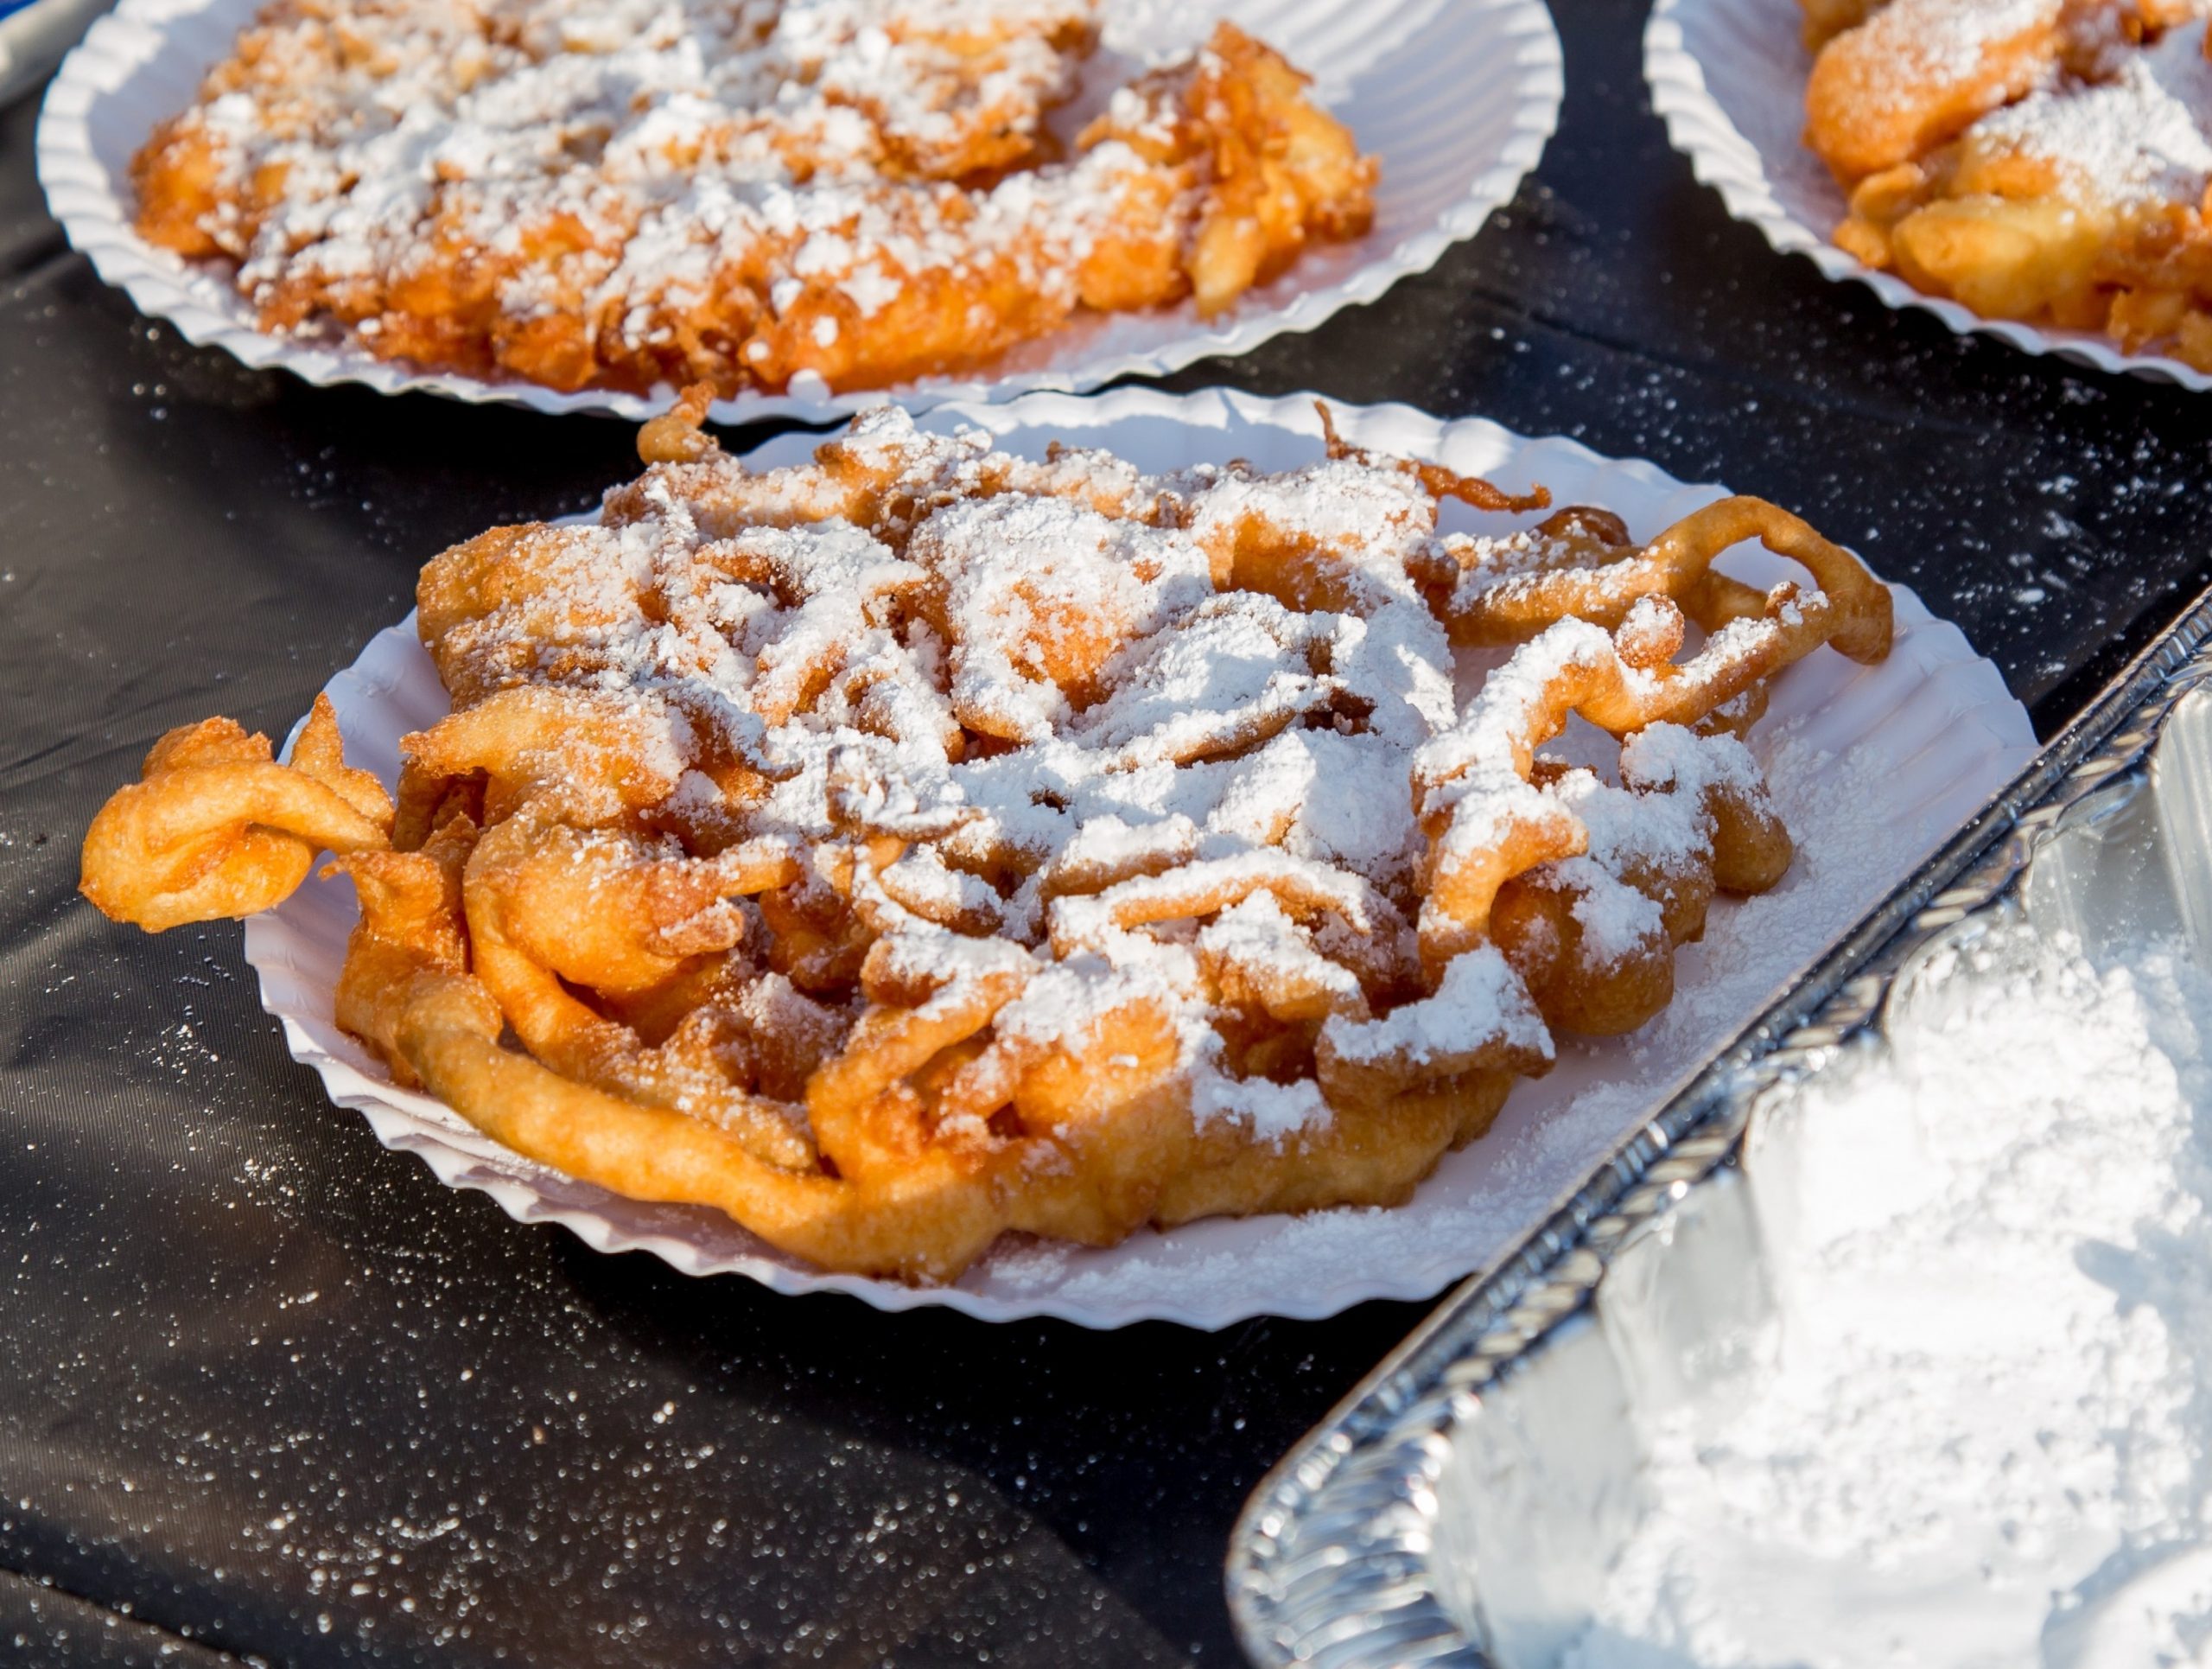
pixel 2140 138
pixel 1480 998
pixel 1948 37
pixel 1853 846
pixel 1046 706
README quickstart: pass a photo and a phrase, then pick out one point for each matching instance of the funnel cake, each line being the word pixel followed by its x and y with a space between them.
pixel 2047 160
pixel 925 843
pixel 631 194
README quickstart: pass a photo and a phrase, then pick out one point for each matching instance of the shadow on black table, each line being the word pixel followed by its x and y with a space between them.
pixel 272 1390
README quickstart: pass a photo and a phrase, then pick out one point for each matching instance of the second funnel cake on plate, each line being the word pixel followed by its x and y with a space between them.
pixel 856 192
pixel 925 842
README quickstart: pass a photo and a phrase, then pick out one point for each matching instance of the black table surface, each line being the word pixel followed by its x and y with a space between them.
pixel 273 1392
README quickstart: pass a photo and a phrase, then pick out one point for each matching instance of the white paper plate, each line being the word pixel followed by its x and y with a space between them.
pixel 32 37
pixel 1456 96
pixel 1728 78
pixel 1920 743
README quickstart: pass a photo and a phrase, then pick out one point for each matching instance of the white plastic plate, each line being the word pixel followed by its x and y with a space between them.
pixel 1728 76
pixel 1873 767
pixel 1456 96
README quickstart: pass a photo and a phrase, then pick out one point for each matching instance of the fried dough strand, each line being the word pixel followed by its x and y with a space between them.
pixel 216 828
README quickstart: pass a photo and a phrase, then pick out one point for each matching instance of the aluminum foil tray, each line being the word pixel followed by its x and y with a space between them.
pixel 1463 1506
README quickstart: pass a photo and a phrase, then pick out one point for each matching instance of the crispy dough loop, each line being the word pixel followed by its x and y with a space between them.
pixel 1601 581
pixel 1374 1148
pixel 678 435
pixel 216 828
pixel 412 923
pixel 1594 937
pixel 599 760
pixel 928 992
pixel 1479 1024
pixel 1488 822
pixel 925 1224
pixel 549 907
